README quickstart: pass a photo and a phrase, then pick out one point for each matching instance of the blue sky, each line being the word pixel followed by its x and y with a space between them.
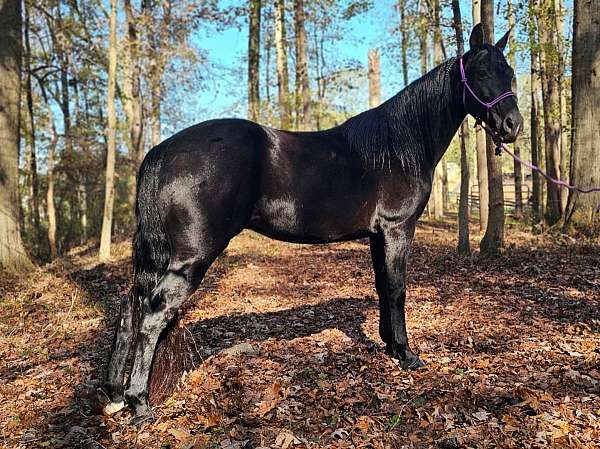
pixel 224 90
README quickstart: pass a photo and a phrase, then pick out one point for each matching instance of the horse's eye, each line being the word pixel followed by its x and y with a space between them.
pixel 482 75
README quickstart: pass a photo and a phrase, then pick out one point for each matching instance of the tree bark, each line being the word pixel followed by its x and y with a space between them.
pixel 12 253
pixel 285 107
pixel 482 173
pixel 512 59
pixel 254 60
pixel 105 237
pixel 551 104
pixel 403 40
pixel 464 245
pixel 581 213
pixel 51 210
pixel 564 118
pixel 423 38
pixel 536 201
pixel 33 179
pixel 132 99
pixel 374 78
pixel 303 107
pixel 493 240
pixel 423 34
pixel 159 42
pixel 437 191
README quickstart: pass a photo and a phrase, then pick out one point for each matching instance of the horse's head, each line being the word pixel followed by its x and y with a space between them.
pixel 487 85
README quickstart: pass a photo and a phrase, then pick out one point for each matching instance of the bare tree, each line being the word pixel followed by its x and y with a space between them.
pixel 551 104
pixel 493 240
pixel 581 213
pixel 303 107
pixel 437 190
pixel 536 201
pixel 564 116
pixel 105 237
pixel 403 40
pixel 12 253
pixel 374 78
pixel 51 209
pixel 482 174
pixel 132 97
pixel 464 246
pixel 285 108
pixel 512 59
pixel 33 178
pixel 254 60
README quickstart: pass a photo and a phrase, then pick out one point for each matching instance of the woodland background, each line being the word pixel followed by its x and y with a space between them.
pixel 93 85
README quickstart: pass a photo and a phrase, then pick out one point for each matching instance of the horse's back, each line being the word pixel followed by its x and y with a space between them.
pixel 297 186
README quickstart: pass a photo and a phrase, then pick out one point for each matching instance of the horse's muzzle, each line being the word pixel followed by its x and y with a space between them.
pixel 511 126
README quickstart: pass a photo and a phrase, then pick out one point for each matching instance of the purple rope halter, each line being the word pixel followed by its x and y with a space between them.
pixel 502 146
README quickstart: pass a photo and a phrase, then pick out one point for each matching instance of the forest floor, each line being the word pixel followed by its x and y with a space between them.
pixel 512 347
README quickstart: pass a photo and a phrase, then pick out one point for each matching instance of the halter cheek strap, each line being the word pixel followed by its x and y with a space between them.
pixel 487 105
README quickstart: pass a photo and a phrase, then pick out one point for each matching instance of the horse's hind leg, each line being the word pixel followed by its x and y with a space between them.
pixel 113 386
pixel 179 281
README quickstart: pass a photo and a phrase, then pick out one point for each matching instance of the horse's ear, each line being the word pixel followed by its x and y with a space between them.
pixel 476 39
pixel 501 44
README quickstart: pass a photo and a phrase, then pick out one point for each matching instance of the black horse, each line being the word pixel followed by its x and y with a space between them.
pixel 369 177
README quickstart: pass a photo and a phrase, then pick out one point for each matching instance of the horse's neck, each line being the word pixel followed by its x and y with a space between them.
pixel 436 110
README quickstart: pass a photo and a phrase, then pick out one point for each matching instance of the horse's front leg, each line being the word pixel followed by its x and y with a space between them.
pixel 396 243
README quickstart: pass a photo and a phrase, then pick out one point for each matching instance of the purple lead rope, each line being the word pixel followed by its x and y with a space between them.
pixel 502 146
pixel 558 182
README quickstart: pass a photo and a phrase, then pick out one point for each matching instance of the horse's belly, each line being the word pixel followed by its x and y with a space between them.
pixel 284 218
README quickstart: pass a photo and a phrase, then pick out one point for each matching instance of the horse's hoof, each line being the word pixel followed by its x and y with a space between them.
pixel 142 418
pixel 113 407
pixel 411 364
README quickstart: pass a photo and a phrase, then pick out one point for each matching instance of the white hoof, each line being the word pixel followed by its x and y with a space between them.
pixel 113 407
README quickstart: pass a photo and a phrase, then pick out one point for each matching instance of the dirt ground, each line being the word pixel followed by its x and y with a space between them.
pixel 512 347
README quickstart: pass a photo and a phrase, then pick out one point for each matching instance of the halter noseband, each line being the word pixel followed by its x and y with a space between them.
pixel 487 105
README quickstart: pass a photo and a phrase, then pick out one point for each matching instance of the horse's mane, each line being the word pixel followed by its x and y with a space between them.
pixel 403 125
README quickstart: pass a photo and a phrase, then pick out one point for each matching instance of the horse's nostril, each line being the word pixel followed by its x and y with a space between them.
pixel 509 124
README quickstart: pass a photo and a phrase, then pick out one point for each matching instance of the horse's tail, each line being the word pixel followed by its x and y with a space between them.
pixel 150 245
pixel 151 254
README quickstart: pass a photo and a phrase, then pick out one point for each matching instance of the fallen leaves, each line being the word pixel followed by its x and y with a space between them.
pixel 288 353
pixel 270 400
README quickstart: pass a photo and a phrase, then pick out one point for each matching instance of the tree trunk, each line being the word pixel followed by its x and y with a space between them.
pixel 303 108
pixel 423 34
pixel 51 210
pixel 534 113
pixel 403 40
pixel 285 107
pixel 12 253
pixel 551 103
pixel 482 173
pixel 581 213
pixel 374 79
pixel 512 59
pixel 564 118
pixel 109 194
pixel 35 204
pixel 464 246
pixel 132 101
pixel 437 191
pixel 493 240
pixel 63 49
pixel 254 60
